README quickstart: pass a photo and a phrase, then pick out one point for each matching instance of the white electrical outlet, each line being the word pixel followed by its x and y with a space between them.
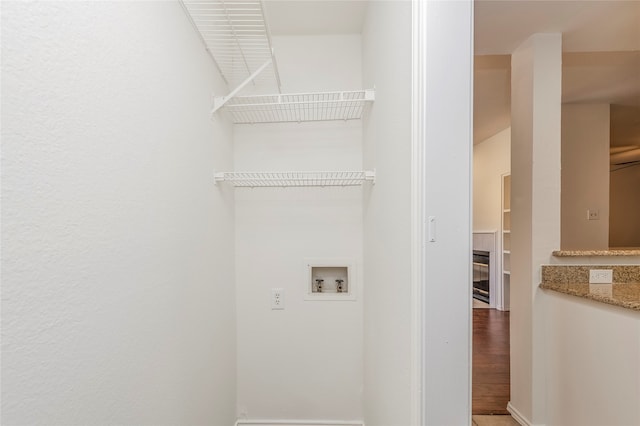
pixel 277 298
pixel 600 276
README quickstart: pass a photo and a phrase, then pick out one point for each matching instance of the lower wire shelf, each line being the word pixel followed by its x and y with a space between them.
pixel 288 179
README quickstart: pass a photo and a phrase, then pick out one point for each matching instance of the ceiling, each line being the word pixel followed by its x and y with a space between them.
pixel 587 77
pixel 601 45
pixel 312 17
pixel 600 63
pixel 500 26
pixel 591 77
pixel 586 26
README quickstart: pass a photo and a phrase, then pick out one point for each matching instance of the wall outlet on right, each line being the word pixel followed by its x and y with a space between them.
pixel 593 214
pixel 600 276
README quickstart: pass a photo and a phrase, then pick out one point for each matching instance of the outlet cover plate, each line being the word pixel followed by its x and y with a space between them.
pixel 600 276
pixel 277 298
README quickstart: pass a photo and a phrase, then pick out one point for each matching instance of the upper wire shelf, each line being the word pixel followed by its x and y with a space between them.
pixel 237 37
pixel 288 179
pixel 297 107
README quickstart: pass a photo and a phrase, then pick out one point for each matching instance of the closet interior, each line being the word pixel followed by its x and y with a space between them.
pixel 301 108
pixel 237 36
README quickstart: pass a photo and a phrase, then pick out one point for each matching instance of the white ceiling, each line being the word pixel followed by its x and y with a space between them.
pixel 601 60
pixel 601 41
pixel 500 26
pixel 312 17
pixel 586 26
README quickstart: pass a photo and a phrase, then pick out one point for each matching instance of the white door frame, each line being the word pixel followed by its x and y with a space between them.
pixel 442 128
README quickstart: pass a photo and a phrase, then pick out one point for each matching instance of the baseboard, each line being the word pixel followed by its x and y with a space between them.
pixel 249 422
pixel 518 417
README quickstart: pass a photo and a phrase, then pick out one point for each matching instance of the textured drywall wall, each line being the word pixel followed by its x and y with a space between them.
pixel 386 45
pixel 585 176
pixel 117 249
pixel 303 362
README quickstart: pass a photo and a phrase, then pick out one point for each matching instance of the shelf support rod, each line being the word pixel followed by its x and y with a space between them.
pixel 219 101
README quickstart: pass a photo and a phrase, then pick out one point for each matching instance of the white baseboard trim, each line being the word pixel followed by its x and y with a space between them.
pixel 518 417
pixel 250 422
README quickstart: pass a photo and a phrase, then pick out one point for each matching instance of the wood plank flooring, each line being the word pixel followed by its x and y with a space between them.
pixel 490 391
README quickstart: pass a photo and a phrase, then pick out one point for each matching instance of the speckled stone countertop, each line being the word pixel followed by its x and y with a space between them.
pixel 574 279
pixel 575 253
pixel 625 295
pixel 568 274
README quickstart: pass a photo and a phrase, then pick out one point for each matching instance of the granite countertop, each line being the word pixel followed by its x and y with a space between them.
pixel 618 252
pixel 626 295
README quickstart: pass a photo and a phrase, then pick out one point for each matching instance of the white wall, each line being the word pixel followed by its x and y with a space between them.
pixel 387 217
pixel 118 299
pixel 304 362
pixel 585 176
pixel 536 73
pixel 593 373
pixel 491 160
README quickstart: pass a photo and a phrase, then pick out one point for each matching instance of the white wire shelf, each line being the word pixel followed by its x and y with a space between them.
pixel 237 36
pixel 298 107
pixel 288 179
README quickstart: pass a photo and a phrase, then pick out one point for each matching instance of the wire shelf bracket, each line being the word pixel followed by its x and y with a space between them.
pixel 219 101
pixel 296 179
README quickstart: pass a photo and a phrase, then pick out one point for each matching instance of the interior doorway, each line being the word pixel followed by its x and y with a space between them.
pixel 490 392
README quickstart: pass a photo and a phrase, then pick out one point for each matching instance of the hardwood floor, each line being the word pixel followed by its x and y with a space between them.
pixel 490 391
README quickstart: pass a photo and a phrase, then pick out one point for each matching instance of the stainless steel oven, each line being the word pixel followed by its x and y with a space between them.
pixel 481 275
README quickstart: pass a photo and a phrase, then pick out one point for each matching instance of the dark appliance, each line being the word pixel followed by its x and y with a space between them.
pixel 481 275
